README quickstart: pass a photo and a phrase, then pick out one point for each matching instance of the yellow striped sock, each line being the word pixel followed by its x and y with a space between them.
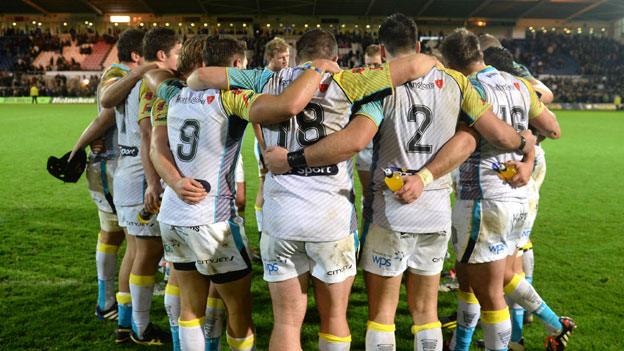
pixel 513 284
pixel 494 317
pixel 123 298
pixel 198 322
pixel 371 325
pixel 245 343
pixel 142 280
pixel 418 328
pixel 171 289
pixel 467 297
pixel 334 338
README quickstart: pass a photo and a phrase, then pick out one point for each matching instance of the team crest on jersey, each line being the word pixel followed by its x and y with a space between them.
pixel 210 99
pixel 439 83
pixel 517 85
pixel 323 87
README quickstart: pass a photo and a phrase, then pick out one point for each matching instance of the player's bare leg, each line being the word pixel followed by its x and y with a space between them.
pixel 237 298
pixel 241 198
pixel 289 299
pixel 486 279
pixel 193 293
pixel 383 299
pixel 422 300
pixel 332 301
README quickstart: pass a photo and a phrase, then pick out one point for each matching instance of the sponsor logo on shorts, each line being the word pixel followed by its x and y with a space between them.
pixel 519 217
pixel 498 248
pixel 340 270
pixel 217 260
pixel 314 171
pixel 271 268
pixel 132 151
pixel 437 259
pixel 381 261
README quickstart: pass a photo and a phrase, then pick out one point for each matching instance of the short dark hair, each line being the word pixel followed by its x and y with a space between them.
pixel 130 40
pixel 461 48
pixel 220 52
pixel 398 33
pixel 316 44
pixel 499 58
pixel 157 39
pixel 191 54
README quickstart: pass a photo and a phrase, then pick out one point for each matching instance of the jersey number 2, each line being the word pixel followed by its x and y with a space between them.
pixel 414 143
pixel 189 136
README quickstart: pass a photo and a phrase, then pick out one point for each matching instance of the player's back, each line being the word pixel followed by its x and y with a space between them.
pixel 129 176
pixel 511 101
pixel 205 142
pixel 419 119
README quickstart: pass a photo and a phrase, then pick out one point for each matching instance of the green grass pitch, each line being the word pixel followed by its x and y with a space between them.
pixel 48 234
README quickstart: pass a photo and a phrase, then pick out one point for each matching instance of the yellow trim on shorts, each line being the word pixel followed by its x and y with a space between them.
pixel 513 284
pixel 106 248
pixel 171 289
pixel 334 338
pixel 142 280
pixel 123 298
pixel 193 323
pixel 494 317
pixel 241 343
pixel 418 328
pixel 380 327
pixel 258 208
pixel 215 302
pixel 467 297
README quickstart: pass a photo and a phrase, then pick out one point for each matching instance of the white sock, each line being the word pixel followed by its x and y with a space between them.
pixel 525 295
pixel 468 311
pixel 172 306
pixel 380 337
pixel 106 262
pixel 259 218
pixel 192 335
pixel 496 329
pixel 328 342
pixel 427 337
pixel 141 289
pixel 215 323
pixel 242 344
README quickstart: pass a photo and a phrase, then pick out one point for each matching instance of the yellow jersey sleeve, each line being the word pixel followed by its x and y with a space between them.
pixel 238 102
pixel 361 83
pixel 146 99
pixel 159 112
pixel 112 74
pixel 537 106
pixel 473 105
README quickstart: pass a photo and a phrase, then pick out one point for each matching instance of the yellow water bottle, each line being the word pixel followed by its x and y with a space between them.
pixel 506 172
pixel 393 179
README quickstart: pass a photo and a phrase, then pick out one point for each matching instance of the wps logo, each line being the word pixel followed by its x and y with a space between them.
pixel 497 248
pixel 271 268
pixel 381 261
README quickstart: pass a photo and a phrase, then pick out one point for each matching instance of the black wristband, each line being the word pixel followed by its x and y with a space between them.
pixel 522 144
pixel 296 159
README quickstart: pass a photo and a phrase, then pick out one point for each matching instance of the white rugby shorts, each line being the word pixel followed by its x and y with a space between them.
pixel 389 253
pixel 329 261
pixel 486 230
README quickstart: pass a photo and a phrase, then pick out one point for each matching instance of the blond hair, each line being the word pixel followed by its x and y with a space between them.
pixel 275 46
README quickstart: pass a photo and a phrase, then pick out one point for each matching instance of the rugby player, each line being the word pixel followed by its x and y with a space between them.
pixel 160 48
pixel 277 55
pixel 202 233
pixel 489 214
pixel 100 169
pixel 409 231
pixel 372 58
pixel 311 240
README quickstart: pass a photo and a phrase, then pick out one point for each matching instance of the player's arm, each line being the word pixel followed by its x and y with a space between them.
pixel 95 130
pixel 334 148
pixel 269 109
pixel 115 92
pixel 155 77
pixel 228 78
pixel 545 94
pixel 524 169
pixel 454 152
pixel 541 117
pixel 154 189
pixel 411 67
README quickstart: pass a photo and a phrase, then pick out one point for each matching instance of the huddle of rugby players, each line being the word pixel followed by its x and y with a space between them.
pixel 173 116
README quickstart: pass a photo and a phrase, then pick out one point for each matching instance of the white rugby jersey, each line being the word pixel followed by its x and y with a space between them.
pixel 313 203
pixel 417 121
pixel 205 131
pixel 514 101
pixel 114 72
pixel 129 185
